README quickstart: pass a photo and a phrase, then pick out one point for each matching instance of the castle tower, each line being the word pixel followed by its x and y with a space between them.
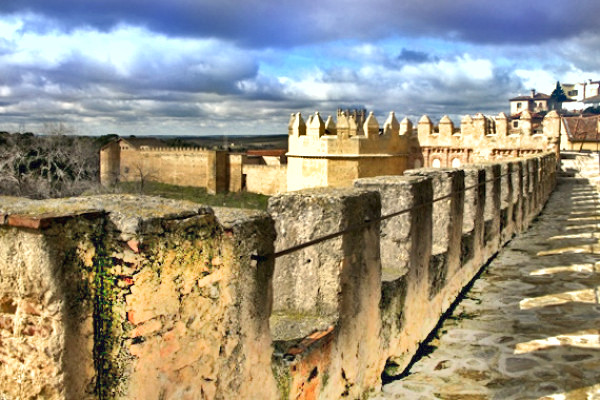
pixel 335 154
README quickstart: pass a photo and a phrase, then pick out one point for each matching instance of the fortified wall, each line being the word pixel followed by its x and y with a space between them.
pixel 329 154
pixel 124 160
pixel 333 154
pixel 130 160
pixel 143 298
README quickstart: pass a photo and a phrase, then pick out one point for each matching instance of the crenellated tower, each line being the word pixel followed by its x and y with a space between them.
pixel 335 153
pixel 328 153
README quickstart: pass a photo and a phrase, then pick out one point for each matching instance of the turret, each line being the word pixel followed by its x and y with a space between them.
pixel 466 126
pixel 406 127
pixel 330 128
pixel 315 126
pixel 299 127
pixel 525 124
pixel 391 127
pixel 371 126
pixel 502 125
pixel 424 129
pixel 446 126
pixel 343 125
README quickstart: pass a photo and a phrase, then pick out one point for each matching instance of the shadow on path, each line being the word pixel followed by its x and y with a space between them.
pixel 529 328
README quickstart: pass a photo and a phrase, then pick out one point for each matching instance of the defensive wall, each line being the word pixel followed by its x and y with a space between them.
pixel 132 297
pixel 334 153
pixel 325 153
pixel 122 160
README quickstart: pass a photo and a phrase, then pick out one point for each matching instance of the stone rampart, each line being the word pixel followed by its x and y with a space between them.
pixel 265 179
pixel 135 297
pixel 450 223
pixel 333 154
pixel 183 166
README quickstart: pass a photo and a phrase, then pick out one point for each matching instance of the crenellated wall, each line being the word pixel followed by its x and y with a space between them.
pixel 426 256
pixel 325 153
pixel 131 297
pixel 334 154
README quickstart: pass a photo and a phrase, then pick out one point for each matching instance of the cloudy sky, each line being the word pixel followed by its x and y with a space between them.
pixel 194 67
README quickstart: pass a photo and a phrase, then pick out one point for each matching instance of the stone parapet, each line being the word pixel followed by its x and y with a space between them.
pixel 133 297
pixel 336 282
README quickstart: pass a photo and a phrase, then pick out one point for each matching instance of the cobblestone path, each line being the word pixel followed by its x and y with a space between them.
pixel 530 326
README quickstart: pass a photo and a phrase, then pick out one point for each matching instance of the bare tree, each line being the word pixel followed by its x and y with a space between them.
pixel 56 164
pixel 143 173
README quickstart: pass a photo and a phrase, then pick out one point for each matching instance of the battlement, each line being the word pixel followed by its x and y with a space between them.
pixel 173 149
pixel 328 153
pixel 345 137
pixel 480 131
pixel 135 297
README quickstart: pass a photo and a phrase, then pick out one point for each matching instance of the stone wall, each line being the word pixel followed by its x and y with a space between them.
pixel 133 298
pixel 136 297
pixel 265 179
pixel 450 222
pixel 175 166
pixel 333 154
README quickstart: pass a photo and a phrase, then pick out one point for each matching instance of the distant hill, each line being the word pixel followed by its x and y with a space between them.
pixel 230 142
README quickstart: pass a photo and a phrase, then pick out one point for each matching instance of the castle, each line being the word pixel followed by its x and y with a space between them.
pixel 324 153
pixel 137 297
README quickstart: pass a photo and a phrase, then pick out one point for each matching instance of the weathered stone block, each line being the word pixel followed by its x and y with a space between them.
pixel 399 234
pixel 153 299
pixel 492 210
pixel 308 281
pixel 473 217
pixel 344 274
pixel 447 218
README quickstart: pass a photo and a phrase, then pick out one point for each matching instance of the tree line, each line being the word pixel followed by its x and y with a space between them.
pixel 56 164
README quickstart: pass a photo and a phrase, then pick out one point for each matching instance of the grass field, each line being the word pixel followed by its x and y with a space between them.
pixel 197 195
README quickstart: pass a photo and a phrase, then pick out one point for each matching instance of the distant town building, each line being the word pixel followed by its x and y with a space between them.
pixel 534 103
pixel 582 95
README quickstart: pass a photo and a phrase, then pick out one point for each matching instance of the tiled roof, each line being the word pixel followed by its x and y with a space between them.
pixel 582 128
pixel 537 96
pixel 534 115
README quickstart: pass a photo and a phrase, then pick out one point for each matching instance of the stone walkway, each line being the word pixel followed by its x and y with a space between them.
pixel 530 326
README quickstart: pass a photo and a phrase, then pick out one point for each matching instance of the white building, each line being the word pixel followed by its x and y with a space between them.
pixel 578 93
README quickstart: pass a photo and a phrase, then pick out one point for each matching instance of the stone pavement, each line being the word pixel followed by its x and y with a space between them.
pixel 529 328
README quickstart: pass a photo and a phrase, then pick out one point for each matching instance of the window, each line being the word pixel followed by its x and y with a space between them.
pixel 518 105
pixel 455 163
pixel 436 163
pixel 515 124
pixel 572 93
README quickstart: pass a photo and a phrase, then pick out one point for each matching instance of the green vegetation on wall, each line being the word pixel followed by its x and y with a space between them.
pixel 197 195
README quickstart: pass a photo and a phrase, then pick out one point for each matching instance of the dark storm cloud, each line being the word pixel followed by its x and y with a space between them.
pixel 284 22
pixel 187 75
pixel 413 56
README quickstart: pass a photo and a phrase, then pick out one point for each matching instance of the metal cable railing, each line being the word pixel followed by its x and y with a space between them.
pixel 366 224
